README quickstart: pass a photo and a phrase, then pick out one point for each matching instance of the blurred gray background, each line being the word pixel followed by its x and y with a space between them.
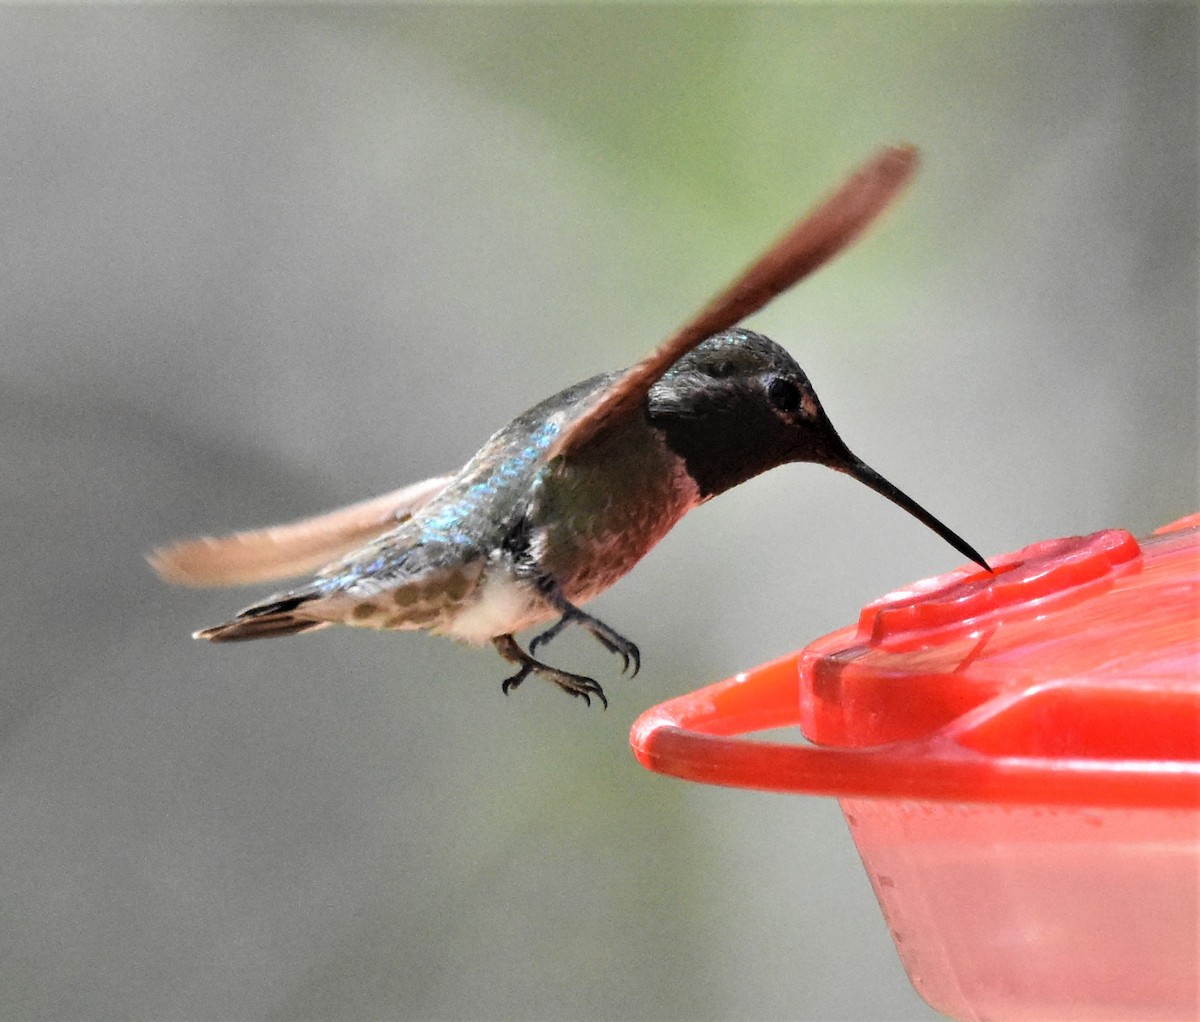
pixel 257 263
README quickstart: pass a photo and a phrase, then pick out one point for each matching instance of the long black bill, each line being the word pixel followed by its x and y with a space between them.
pixel 865 474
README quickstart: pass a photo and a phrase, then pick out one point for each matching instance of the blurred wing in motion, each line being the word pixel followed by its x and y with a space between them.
pixel 810 243
pixel 297 548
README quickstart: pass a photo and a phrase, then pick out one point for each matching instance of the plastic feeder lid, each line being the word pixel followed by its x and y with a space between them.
pixel 1071 676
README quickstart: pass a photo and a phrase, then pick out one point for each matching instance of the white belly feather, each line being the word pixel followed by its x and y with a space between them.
pixel 500 607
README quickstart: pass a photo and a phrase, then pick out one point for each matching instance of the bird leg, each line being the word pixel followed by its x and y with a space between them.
pixel 574 684
pixel 614 642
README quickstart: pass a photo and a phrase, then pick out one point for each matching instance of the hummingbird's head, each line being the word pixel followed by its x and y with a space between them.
pixel 737 405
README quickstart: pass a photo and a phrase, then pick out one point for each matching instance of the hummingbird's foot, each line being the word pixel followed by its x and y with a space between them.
pixel 613 641
pixel 573 684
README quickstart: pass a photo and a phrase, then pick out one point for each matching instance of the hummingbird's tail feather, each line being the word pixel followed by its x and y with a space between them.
pixel 259 628
pixel 265 621
pixel 297 548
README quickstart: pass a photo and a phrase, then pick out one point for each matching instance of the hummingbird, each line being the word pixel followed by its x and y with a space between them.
pixel 564 500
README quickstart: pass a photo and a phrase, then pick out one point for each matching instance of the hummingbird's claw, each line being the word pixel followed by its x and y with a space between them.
pixel 611 640
pixel 510 683
pixel 614 642
pixel 572 684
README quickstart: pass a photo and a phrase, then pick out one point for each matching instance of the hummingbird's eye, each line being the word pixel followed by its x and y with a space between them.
pixel 783 394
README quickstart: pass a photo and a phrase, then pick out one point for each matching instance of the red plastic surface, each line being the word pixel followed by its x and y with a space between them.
pixel 1036 581
pixel 1070 677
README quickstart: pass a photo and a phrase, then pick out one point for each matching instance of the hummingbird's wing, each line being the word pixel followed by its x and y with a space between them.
pixel 810 243
pixel 297 548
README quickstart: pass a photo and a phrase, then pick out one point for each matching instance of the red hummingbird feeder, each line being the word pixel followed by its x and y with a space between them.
pixel 1018 758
